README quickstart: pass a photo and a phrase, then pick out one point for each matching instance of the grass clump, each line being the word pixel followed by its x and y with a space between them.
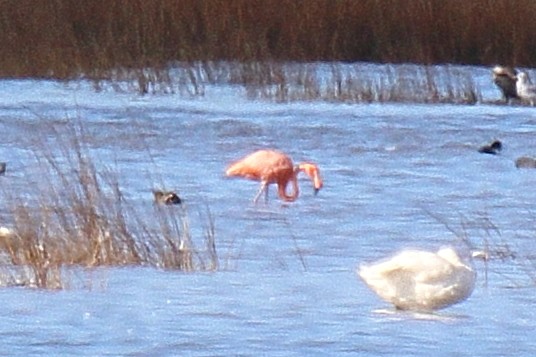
pixel 78 217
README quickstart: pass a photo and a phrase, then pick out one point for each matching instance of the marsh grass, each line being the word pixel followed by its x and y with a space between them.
pixel 166 46
pixel 77 217
pixel 288 82
pixel 184 79
pixel 64 39
pixel 388 83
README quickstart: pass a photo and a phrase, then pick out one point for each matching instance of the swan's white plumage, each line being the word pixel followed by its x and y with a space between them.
pixel 421 280
pixel 525 89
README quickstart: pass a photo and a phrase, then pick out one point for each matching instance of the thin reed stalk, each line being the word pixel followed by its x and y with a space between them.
pixel 78 217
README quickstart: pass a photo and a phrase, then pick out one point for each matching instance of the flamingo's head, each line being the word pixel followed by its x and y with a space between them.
pixel 314 173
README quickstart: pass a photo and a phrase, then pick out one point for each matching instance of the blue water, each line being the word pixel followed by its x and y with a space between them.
pixel 395 176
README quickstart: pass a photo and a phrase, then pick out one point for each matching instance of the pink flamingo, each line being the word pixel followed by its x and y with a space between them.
pixel 272 166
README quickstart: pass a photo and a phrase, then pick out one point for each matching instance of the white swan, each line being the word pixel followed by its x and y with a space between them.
pixel 525 89
pixel 421 280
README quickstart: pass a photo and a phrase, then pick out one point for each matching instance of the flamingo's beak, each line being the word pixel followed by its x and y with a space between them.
pixel 312 171
pixel 317 182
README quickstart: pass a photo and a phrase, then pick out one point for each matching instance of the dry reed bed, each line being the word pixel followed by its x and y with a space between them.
pixel 67 38
pixel 77 217
pixel 167 46
pixel 284 82
pixel 389 83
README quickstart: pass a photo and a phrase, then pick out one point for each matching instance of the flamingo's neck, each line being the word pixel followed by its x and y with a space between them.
pixel 282 189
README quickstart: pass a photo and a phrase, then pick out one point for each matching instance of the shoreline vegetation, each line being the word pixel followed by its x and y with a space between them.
pixel 270 46
pixel 287 82
pixel 77 217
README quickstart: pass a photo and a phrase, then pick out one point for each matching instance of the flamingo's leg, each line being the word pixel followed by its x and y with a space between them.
pixel 264 187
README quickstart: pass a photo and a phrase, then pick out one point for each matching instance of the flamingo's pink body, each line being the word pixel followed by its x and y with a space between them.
pixel 272 166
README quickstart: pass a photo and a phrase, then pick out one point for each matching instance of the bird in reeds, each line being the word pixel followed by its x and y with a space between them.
pixel 424 281
pixel 505 78
pixel 525 162
pixel 166 197
pixel 493 148
pixel 272 166
pixel 2 168
pixel 525 89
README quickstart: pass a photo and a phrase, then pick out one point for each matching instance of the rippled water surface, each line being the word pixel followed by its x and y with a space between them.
pixel 395 176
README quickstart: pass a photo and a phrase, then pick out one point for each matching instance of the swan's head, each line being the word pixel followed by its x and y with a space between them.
pixel 462 256
pixel 313 172
pixel 480 254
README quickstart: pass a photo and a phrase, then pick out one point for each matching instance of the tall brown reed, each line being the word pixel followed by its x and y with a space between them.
pixel 77 216
pixel 69 38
